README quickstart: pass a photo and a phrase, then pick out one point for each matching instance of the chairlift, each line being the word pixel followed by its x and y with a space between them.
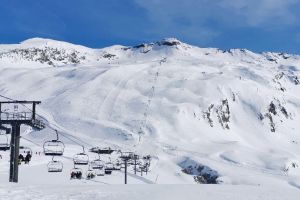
pixel 76 173
pixel 4 143
pixel 90 173
pixel 142 168
pixel 100 172
pixel 109 167
pixel 55 166
pixel 97 164
pixel 147 160
pixel 99 150
pixel 117 165
pixel 127 155
pixel 25 150
pixel 107 171
pixel 81 158
pixel 54 147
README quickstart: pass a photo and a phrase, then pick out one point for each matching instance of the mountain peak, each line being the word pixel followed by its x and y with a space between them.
pixel 169 42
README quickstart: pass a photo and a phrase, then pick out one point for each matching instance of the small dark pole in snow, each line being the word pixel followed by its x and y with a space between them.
pixel 134 165
pixel 15 119
pixel 125 171
pixel 135 157
pixel 125 158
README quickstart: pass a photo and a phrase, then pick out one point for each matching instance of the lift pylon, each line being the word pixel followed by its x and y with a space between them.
pixel 11 115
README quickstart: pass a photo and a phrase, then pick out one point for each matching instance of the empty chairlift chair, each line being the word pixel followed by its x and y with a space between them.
pixel 117 165
pixel 4 143
pixel 99 150
pixel 97 164
pixel 81 158
pixel 109 167
pixel 55 166
pixel 100 172
pixel 54 147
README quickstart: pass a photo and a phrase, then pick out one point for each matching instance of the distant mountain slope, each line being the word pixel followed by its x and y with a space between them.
pixel 232 111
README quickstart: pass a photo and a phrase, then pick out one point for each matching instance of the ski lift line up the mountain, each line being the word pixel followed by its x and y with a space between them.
pixel 143 123
pixel 39 145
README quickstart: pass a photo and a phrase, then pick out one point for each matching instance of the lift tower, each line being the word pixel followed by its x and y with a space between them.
pixel 10 114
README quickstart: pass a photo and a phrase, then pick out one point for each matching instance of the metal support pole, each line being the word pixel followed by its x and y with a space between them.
pixel 125 171
pixel 134 165
pixel 14 152
pixel 33 111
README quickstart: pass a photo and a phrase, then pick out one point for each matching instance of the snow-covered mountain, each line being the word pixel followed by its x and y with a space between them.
pixel 230 116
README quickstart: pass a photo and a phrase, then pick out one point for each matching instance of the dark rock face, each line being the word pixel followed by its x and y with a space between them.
pixel 169 43
pixel 108 56
pixel 222 111
pixel 47 55
pixel 202 174
pixel 275 108
pixel 223 114
pixel 272 109
pixel 207 115
pixel 140 46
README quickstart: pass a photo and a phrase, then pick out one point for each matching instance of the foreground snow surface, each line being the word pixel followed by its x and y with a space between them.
pixel 146 192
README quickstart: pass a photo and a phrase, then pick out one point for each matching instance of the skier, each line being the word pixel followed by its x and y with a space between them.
pixel 73 175
pixel 21 157
pixel 27 158
pixel 78 175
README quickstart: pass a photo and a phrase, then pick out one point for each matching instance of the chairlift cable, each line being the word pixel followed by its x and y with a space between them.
pixel 149 100
pixel 8 98
pixel 31 141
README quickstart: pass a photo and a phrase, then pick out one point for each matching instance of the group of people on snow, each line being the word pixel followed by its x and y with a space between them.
pixel 25 159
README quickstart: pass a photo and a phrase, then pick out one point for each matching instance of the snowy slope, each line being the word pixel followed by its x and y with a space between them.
pixel 233 113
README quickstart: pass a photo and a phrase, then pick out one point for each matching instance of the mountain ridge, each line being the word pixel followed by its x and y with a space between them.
pixel 233 112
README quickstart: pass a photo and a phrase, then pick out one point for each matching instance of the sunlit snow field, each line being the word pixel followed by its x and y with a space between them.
pixel 165 91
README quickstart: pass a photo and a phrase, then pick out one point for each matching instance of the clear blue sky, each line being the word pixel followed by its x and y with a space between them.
pixel 258 25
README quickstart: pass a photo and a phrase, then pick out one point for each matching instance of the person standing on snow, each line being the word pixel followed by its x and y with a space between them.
pixel 27 158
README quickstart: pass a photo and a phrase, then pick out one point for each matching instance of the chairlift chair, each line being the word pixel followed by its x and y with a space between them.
pixel 54 147
pixel 25 150
pixel 55 166
pixel 117 165
pixel 109 167
pixel 98 150
pixel 81 158
pixel 107 171
pixel 100 172
pixel 97 164
pixel 4 143
pixel 76 173
pixel 90 173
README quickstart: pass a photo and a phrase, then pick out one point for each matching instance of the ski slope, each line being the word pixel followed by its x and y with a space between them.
pixel 234 112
